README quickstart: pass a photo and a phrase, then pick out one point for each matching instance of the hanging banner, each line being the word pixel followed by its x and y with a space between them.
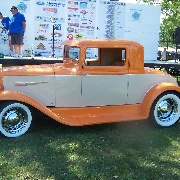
pixel 49 22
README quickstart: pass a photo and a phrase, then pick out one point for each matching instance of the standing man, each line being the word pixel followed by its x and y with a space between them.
pixel 17 29
pixel 5 22
pixel 164 55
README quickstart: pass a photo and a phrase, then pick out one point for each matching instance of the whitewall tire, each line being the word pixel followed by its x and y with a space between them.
pixel 165 110
pixel 15 119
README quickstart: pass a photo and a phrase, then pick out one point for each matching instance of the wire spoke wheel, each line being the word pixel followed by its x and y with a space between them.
pixel 166 110
pixel 15 119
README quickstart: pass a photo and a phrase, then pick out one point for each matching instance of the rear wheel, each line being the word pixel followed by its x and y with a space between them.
pixel 165 111
pixel 15 119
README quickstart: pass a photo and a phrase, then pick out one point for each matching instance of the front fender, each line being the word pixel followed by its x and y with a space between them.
pixel 20 97
pixel 153 93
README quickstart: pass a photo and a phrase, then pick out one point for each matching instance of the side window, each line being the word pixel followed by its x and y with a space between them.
pixel 105 56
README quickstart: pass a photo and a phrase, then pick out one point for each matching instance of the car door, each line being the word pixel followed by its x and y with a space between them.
pixel 107 87
pixel 105 79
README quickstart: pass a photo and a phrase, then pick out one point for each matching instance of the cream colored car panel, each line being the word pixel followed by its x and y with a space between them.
pixel 91 90
pixel 68 91
pixel 85 90
pixel 101 90
pixel 140 84
pixel 40 88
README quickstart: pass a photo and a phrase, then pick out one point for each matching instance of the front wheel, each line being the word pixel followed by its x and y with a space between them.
pixel 15 119
pixel 165 111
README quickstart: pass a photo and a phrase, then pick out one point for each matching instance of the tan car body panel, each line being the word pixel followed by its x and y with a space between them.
pixel 95 115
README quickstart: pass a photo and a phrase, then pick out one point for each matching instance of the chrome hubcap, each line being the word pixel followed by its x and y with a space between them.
pixel 167 110
pixel 14 120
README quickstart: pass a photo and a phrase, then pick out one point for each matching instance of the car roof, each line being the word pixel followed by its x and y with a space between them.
pixel 100 42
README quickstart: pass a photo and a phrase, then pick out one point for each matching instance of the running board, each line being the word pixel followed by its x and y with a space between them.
pixel 98 115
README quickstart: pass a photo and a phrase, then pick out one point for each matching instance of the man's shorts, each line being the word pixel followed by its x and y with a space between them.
pixel 17 39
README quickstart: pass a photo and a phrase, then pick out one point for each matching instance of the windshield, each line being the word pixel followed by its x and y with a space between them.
pixel 71 52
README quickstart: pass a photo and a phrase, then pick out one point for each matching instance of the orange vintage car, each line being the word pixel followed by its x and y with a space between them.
pixel 99 81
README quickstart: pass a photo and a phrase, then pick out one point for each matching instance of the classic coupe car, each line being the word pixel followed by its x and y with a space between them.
pixel 99 81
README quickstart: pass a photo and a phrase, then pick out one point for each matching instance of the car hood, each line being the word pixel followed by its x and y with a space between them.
pixel 43 69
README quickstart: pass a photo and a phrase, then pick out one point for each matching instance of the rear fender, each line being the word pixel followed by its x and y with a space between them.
pixel 153 93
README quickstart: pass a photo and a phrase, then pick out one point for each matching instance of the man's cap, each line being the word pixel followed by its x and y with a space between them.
pixel 13 7
pixel 0 13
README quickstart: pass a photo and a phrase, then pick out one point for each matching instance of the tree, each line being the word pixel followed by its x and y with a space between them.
pixel 171 20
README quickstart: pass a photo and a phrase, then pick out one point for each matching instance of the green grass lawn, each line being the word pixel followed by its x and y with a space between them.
pixel 123 151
